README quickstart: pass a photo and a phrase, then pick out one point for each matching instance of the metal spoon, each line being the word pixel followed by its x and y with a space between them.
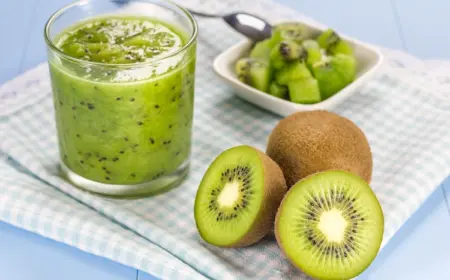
pixel 251 26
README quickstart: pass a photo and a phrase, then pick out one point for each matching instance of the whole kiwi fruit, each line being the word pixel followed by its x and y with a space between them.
pixel 307 142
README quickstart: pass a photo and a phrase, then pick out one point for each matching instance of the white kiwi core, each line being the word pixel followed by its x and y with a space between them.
pixel 332 224
pixel 229 194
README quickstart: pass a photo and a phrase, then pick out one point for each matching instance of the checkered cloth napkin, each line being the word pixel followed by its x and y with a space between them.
pixel 405 112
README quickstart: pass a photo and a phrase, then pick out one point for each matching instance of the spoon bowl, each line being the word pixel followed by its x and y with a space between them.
pixel 251 26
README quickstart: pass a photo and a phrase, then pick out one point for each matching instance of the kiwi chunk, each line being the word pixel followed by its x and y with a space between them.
pixel 290 31
pixel 313 52
pixel 260 75
pixel 334 74
pixel 285 52
pixel 278 90
pixel 330 225
pixel 293 71
pixel 333 44
pixel 242 69
pixel 76 50
pixel 261 50
pixel 253 72
pixel 304 91
pixel 276 59
pixel 290 50
pixel 238 197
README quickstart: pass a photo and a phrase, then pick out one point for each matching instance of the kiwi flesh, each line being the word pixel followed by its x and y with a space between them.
pixel 304 91
pixel 254 72
pixel 276 59
pixel 313 52
pixel 242 69
pixel 277 90
pixel 237 199
pixel 261 50
pixel 330 225
pixel 336 143
pixel 285 52
pixel 292 72
pixel 334 73
pixel 333 43
pixel 260 75
pixel 290 31
pixel 290 50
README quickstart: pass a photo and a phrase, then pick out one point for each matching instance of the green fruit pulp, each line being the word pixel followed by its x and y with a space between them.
pixel 304 91
pixel 260 76
pixel 278 90
pixel 346 66
pixel 289 31
pixel 292 54
pixel 341 47
pixel 242 69
pixel 276 60
pixel 335 74
pixel 311 220
pixel 218 194
pixel 261 51
pixel 119 40
pixel 313 56
pixel 326 38
pixel 313 52
pixel 118 128
pixel 331 41
pixel 293 71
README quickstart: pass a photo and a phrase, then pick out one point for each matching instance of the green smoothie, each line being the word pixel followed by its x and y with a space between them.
pixel 123 118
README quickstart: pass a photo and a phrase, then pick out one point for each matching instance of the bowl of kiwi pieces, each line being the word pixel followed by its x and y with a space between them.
pixel 310 189
pixel 300 67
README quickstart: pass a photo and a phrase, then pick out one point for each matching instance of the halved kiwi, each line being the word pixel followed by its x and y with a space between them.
pixel 238 197
pixel 330 225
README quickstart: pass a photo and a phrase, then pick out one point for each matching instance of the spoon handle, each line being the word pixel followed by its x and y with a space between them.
pixel 204 14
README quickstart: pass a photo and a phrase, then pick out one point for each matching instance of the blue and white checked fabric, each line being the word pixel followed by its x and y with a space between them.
pixel 405 113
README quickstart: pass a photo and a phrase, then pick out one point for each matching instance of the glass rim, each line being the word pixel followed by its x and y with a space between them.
pixel 62 10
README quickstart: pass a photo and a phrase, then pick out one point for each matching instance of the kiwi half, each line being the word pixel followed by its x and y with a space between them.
pixel 307 142
pixel 238 197
pixel 330 225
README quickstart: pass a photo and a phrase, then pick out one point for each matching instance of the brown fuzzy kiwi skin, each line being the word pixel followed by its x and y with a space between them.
pixel 307 142
pixel 274 190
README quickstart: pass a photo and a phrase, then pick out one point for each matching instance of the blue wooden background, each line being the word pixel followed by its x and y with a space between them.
pixel 421 250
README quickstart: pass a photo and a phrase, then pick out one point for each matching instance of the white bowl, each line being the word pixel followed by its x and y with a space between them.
pixel 368 58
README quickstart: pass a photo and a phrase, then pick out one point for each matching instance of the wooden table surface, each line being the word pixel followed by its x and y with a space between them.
pixel 421 249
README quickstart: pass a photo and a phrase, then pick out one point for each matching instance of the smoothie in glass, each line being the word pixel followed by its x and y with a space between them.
pixel 123 96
